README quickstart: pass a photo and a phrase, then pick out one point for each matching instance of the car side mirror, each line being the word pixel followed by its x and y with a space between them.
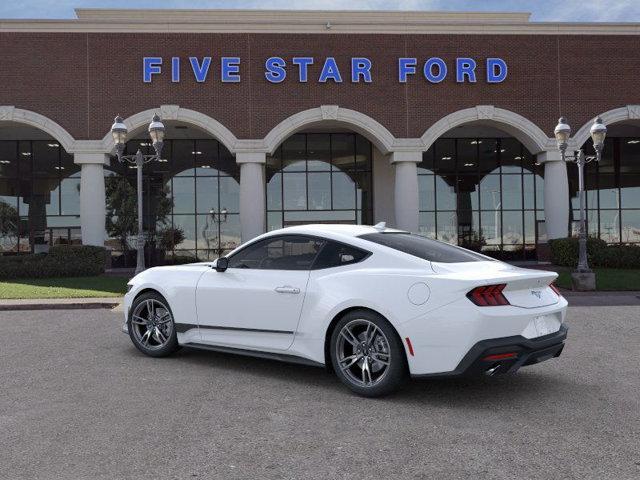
pixel 222 264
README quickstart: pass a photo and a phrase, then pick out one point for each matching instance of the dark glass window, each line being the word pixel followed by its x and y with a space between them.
pixel 424 248
pixel 320 178
pixel 191 202
pixel 290 252
pixel 612 191
pixel 336 254
pixel 485 194
pixel 39 196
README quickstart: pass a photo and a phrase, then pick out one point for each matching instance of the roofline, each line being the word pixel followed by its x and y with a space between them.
pixel 223 14
pixel 310 22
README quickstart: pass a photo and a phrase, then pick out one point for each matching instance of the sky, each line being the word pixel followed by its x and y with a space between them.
pixel 542 10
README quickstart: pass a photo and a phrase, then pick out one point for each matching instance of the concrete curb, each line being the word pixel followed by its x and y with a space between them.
pixel 59 304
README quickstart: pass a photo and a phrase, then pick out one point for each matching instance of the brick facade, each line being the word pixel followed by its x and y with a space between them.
pixel 81 80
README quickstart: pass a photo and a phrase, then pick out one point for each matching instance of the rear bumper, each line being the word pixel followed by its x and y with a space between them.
pixel 527 352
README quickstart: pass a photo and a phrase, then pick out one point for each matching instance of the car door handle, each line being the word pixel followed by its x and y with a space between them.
pixel 287 289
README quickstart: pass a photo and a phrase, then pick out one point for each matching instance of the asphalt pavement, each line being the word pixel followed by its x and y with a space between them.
pixel 78 401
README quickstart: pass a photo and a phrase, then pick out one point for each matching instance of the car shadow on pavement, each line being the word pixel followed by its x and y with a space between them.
pixel 452 392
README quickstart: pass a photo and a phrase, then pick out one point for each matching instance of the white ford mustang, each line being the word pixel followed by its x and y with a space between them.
pixel 373 304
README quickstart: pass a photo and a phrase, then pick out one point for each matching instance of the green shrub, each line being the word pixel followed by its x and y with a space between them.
pixel 620 256
pixel 61 261
pixel 564 252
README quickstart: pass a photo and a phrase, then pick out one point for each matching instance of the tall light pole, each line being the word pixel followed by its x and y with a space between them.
pixel 156 132
pixel 562 133
pixel 218 219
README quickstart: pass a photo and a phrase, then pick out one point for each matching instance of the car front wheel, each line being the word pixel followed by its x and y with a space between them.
pixel 367 354
pixel 151 325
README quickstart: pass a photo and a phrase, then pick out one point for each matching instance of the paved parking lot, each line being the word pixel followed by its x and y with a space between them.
pixel 78 401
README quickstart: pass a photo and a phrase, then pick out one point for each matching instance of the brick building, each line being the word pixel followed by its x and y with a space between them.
pixel 440 123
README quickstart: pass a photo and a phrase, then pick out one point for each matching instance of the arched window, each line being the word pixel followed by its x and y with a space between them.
pixel 320 178
pixel 39 194
pixel 191 202
pixel 612 188
pixel 482 193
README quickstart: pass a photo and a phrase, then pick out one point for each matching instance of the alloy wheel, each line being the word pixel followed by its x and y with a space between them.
pixel 363 353
pixel 152 324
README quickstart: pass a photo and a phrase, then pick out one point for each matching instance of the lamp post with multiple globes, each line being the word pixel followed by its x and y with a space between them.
pixel 156 132
pixel 583 274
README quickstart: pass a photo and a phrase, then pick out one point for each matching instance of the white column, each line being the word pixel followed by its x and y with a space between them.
pixel 92 197
pixel 556 194
pixel 252 194
pixel 406 189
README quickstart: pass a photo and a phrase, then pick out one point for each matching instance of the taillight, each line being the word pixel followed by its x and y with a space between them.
pixel 555 289
pixel 488 295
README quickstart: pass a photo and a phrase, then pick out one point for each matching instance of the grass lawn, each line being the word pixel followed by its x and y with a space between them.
pixel 606 279
pixel 72 287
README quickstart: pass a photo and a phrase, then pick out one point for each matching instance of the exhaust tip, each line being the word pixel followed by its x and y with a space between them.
pixel 491 371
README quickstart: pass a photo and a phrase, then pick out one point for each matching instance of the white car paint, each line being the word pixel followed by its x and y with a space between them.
pixel 424 301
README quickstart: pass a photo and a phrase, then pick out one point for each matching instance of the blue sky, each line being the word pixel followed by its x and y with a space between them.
pixel 542 10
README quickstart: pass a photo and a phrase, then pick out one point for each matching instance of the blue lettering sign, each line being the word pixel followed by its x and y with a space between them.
pixel 150 66
pixel 428 70
pixel 276 72
pixel 465 67
pixel 330 71
pixel 230 69
pixel 175 69
pixel 200 71
pixel 303 67
pixel 496 70
pixel 360 67
pixel 434 69
pixel 406 66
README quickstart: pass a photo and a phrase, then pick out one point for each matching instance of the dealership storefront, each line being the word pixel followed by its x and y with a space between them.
pixel 440 124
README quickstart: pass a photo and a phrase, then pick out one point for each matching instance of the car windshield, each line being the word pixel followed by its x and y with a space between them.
pixel 425 248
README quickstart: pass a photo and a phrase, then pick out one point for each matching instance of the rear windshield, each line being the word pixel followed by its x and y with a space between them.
pixel 425 248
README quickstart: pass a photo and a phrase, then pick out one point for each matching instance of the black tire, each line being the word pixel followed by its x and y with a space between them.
pixel 395 373
pixel 166 330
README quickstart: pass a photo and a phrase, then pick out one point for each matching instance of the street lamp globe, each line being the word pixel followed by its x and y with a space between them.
pixel 562 133
pixel 598 133
pixel 119 133
pixel 156 132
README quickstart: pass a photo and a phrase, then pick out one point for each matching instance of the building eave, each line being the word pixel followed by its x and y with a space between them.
pixel 311 22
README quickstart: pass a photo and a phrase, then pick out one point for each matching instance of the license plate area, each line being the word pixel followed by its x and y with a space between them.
pixel 541 325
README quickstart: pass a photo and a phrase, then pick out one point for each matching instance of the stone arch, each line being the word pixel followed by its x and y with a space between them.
pixel 177 113
pixel 374 131
pixel 10 113
pixel 617 115
pixel 528 133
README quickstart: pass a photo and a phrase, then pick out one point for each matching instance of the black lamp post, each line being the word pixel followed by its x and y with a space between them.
pixel 156 132
pixel 562 133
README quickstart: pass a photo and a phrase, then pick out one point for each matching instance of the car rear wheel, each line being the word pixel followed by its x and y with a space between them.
pixel 151 326
pixel 367 354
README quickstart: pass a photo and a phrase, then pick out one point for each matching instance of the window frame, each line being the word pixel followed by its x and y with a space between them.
pixel 367 254
pixel 326 240
pixel 273 238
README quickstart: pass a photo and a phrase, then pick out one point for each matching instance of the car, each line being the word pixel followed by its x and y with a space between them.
pixel 373 304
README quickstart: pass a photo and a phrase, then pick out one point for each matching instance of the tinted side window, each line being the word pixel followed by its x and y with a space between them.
pixel 425 248
pixel 335 254
pixel 279 253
